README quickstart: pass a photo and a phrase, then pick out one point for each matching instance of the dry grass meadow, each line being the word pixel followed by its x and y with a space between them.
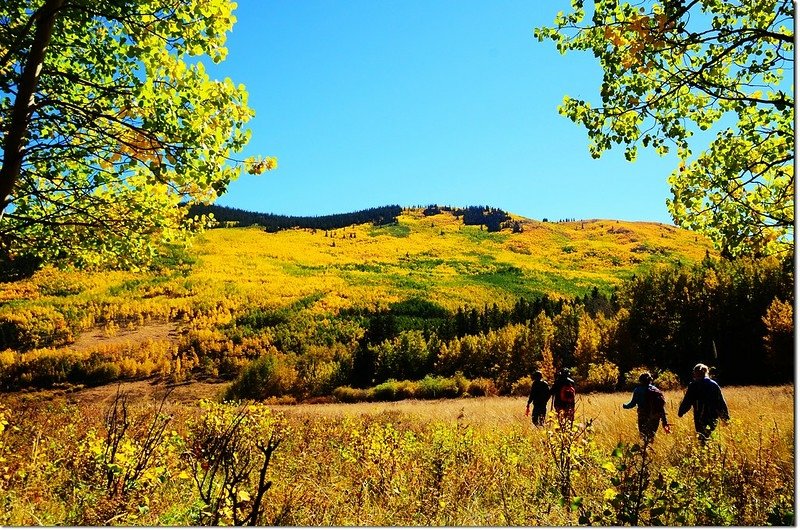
pixel 753 409
pixel 468 461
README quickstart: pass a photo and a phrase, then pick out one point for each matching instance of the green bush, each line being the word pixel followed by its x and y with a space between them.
pixel 102 373
pixel 325 377
pixel 406 389
pixel 269 375
pixel 404 357
pixel 432 387
pixel 385 391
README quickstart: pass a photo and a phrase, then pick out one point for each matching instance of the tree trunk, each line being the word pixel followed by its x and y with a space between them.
pixel 23 104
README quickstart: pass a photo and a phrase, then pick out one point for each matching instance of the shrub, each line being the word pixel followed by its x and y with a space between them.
pixel 128 464
pixel 663 379
pixel 52 282
pixel 230 451
pixel 322 381
pixel 347 394
pixel 405 356
pixel 461 382
pixel 280 400
pixel 269 375
pixel 602 377
pixel 667 380
pixel 323 368
pixel 102 373
pixel 406 389
pixel 632 377
pixel 385 391
pixel 49 369
pixel 482 387
pixel 7 360
pixel 36 327
pixel 522 386
pixel 437 387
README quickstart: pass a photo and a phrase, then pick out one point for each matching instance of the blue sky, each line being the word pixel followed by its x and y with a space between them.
pixel 375 102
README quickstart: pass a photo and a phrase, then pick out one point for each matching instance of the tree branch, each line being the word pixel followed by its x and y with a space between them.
pixel 18 126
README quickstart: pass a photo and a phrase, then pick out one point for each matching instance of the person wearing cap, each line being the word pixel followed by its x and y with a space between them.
pixel 539 396
pixel 705 397
pixel 650 404
pixel 563 393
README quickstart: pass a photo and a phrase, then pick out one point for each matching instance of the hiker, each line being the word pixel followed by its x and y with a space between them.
pixel 563 393
pixel 540 395
pixel 651 407
pixel 705 397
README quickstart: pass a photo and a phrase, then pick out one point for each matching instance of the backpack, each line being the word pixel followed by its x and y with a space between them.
pixel 566 395
pixel 654 402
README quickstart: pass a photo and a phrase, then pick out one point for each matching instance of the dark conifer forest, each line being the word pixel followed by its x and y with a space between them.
pixel 273 222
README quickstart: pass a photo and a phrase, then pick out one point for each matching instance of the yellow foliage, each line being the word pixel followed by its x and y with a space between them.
pixel 408 463
pixel 435 258
pixel 779 317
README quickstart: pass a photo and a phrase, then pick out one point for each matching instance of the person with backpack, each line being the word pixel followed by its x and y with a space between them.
pixel 563 393
pixel 539 396
pixel 705 397
pixel 651 409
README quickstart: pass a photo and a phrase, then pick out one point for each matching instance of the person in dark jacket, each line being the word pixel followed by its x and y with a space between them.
pixel 563 393
pixel 649 412
pixel 540 395
pixel 705 397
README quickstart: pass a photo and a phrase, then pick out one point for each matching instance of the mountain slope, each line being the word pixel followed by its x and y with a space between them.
pixel 438 258
pixel 231 271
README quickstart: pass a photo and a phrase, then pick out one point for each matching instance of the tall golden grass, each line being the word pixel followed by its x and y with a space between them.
pixel 471 461
pixel 752 408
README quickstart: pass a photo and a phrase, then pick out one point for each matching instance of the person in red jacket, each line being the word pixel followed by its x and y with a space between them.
pixel 563 393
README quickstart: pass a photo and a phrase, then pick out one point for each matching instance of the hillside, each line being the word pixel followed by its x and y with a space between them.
pixel 439 259
pixel 368 303
pixel 435 258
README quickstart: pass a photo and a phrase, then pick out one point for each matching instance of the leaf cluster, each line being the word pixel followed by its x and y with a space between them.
pixel 672 70
pixel 124 126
